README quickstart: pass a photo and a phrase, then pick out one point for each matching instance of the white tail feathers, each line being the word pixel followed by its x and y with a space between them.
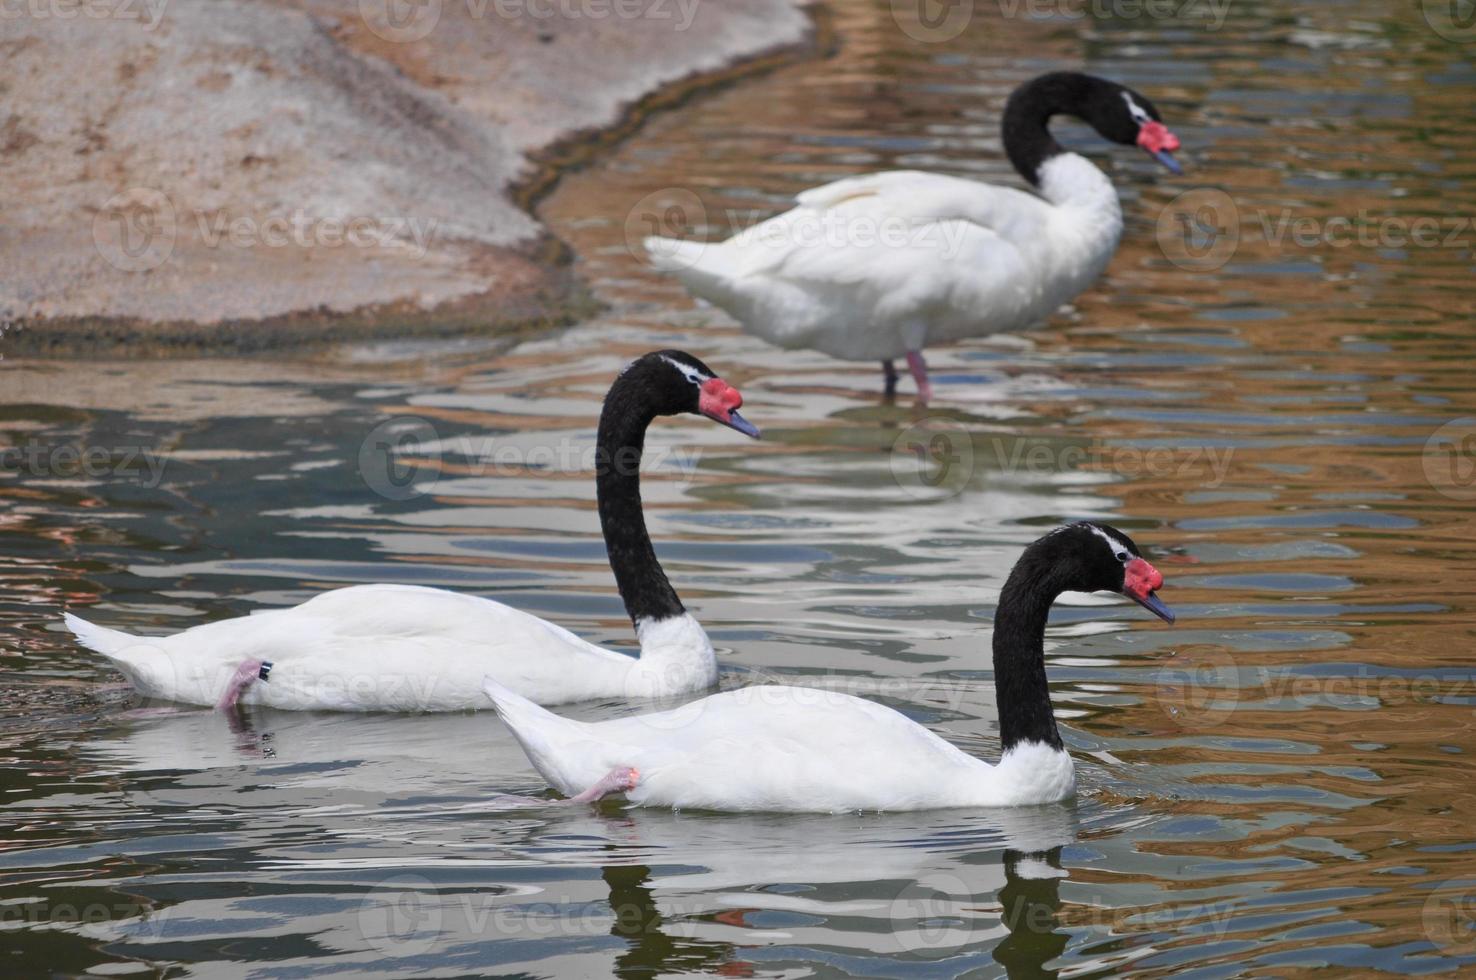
pixel 98 638
pixel 547 739
pixel 503 698
pixel 674 255
pixel 705 269
pixel 520 714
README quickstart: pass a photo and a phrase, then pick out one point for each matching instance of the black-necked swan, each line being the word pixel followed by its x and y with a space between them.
pixel 774 748
pixel 882 265
pixel 411 648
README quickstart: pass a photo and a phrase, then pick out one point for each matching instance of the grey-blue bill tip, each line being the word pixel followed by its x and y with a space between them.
pixel 1154 604
pixel 736 421
pixel 1167 159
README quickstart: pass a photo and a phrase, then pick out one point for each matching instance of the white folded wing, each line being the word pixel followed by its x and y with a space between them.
pixel 369 648
pixel 871 267
pixel 774 748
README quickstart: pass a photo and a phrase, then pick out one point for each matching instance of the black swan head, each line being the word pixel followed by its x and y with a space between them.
pixel 1081 557
pixel 1091 557
pixel 673 382
pixel 1118 113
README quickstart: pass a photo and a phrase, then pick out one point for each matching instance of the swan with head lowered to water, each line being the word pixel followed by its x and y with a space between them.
pixel 879 266
pixel 776 748
pixel 411 648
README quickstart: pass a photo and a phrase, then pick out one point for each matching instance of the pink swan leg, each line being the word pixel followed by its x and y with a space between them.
pixel 246 674
pixel 919 369
pixel 618 780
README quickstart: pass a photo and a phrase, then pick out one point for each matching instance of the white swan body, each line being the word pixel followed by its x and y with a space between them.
pixel 801 749
pixel 883 265
pixel 775 748
pixel 872 267
pixel 403 648
pixel 410 648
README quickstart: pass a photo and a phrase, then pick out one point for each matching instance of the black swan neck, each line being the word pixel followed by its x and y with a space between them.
pixel 1025 126
pixel 621 441
pixel 1030 909
pixel 1021 691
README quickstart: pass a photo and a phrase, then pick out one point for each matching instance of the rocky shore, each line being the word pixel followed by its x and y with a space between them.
pixel 247 174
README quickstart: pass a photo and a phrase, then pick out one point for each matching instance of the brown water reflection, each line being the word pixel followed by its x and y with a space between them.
pixel 1282 781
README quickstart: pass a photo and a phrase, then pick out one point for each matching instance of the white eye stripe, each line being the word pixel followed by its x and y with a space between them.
pixel 1139 114
pixel 688 371
pixel 1120 551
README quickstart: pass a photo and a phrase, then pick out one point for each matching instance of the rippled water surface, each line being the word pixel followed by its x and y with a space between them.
pixel 1271 389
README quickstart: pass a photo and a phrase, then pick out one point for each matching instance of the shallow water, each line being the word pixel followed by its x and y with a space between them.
pixel 1281 781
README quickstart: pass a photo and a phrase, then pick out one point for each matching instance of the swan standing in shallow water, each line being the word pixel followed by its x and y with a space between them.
pixel 411 648
pixel 882 265
pixel 801 749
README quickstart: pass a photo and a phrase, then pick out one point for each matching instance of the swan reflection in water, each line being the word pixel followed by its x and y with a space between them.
pixel 959 926
pixel 343 807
